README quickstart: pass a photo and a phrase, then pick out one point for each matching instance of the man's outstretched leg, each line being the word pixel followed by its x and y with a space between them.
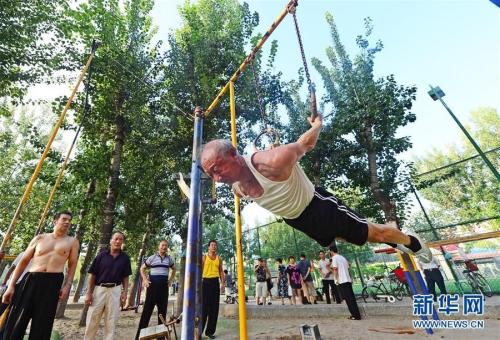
pixel 327 218
pixel 390 234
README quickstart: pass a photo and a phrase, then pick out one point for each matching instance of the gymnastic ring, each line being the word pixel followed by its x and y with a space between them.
pixel 272 134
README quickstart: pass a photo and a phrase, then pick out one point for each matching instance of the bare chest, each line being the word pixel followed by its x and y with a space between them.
pixel 48 246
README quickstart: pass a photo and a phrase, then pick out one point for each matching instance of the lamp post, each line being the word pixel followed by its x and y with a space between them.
pixel 437 94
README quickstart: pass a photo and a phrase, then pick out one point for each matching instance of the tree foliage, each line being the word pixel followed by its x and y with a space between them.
pixel 468 190
pixel 367 113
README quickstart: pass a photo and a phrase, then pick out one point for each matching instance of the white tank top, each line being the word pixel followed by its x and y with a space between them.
pixel 287 198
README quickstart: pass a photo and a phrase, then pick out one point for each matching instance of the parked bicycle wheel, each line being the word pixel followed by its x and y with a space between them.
pixel 366 293
pixel 483 285
pixel 398 292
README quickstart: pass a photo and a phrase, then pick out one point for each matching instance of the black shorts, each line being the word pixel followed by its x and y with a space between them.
pixel 326 218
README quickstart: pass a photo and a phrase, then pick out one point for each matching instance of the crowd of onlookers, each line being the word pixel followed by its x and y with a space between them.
pixel 294 281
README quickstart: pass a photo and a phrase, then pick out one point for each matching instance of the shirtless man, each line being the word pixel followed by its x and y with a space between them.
pixel 275 181
pixel 42 288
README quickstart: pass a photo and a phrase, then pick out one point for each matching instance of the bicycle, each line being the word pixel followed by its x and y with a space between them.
pixel 478 283
pixel 398 284
pixel 378 290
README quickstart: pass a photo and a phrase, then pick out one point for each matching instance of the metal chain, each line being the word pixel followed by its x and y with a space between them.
pixel 259 98
pixel 310 85
pixel 299 38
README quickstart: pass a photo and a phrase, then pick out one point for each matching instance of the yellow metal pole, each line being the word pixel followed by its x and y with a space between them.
pixel 291 5
pixel 39 229
pixel 27 191
pixel 242 307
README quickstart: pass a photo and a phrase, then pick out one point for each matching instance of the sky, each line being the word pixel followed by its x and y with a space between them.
pixel 451 44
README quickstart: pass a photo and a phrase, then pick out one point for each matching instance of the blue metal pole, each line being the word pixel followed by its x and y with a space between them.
pixel 414 291
pixel 190 320
pixel 421 281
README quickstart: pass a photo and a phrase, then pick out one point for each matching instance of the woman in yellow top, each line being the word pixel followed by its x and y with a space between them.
pixel 211 288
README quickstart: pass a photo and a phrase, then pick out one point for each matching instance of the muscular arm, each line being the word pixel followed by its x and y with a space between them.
pixel 9 273
pixel 72 262
pixel 28 255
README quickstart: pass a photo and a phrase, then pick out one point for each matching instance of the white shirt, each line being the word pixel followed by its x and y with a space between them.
pixel 287 198
pixel 324 266
pixel 339 262
pixel 431 265
pixel 159 265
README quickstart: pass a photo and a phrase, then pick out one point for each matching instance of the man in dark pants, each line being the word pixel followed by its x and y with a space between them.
pixel 211 288
pixel 157 285
pixel 43 285
pixel 327 279
pixel 19 283
pixel 306 268
pixel 433 276
pixel 340 268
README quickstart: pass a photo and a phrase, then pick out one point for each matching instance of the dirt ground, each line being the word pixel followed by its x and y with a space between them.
pixel 393 327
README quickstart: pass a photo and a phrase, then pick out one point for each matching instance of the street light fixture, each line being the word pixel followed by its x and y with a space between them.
pixel 437 94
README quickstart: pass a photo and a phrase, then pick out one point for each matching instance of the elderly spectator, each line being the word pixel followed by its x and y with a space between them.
pixel 107 288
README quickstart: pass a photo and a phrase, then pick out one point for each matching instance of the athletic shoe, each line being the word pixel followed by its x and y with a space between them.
pixel 424 254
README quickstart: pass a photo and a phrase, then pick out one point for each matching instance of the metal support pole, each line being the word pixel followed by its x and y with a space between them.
pixel 437 93
pixel 359 269
pixel 242 308
pixel 258 243
pixel 190 320
pixel 295 241
pixel 436 236
pixel 29 186
pixel 199 282
pixel 86 109
pixel 289 7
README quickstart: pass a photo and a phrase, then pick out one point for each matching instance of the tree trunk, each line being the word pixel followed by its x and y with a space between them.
pixel 83 274
pixel 180 295
pixel 80 229
pixel 388 206
pixel 111 197
pixel 142 251
pixel 91 248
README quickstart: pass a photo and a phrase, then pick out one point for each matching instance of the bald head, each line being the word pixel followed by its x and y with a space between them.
pixel 221 161
pixel 218 148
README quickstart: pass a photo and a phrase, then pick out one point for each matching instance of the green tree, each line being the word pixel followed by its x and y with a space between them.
pixel 468 190
pixel 367 113
pixel 32 44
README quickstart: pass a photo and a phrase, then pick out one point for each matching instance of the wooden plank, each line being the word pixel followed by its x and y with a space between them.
pixel 467 238
pixel 154 332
